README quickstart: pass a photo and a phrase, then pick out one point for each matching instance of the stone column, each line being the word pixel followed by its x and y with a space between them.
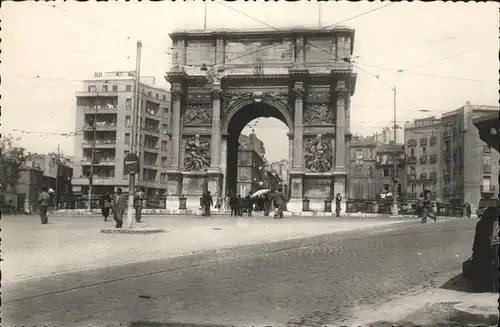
pixel 175 128
pixel 298 146
pixel 216 129
pixel 290 151
pixel 223 163
pixel 340 131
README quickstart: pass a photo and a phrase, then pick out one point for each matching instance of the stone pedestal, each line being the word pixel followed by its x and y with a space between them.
pixel 317 188
pixel 215 183
pixel 296 192
pixel 193 186
pixel 174 183
pixel 172 202
pixel 294 205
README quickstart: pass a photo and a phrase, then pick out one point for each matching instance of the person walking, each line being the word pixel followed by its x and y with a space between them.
pixel 427 207
pixel 119 205
pixel 338 202
pixel 44 201
pixel 218 203
pixel 138 204
pixel 105 203
pixel 227 203
pixel 207 203
pixel 279 202
pixel 233 204
pixel 239 205
pixel 249 204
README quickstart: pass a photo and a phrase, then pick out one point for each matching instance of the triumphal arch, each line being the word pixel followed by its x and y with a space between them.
pixel 222 79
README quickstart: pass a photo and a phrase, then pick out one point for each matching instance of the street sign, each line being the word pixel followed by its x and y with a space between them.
pixel 131 164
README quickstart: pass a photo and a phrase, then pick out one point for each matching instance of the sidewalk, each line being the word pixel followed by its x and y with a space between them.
pixel 434 307
pixel 32 250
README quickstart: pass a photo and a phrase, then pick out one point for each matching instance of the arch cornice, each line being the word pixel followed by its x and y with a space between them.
pixel 280 103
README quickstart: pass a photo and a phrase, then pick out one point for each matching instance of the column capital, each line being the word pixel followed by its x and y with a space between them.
pixel 176 94
pixel 216 93
pixel 176 75
pixel 299 91
pixel 290 136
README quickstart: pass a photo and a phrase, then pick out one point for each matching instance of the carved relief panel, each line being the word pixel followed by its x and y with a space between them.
pixel 318 153
pixel 196 153
pixel 198 114
pixel 319 110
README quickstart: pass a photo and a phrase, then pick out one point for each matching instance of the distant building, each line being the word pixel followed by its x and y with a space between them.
pixel 282 169
pixel 253 142
pixel 362 168
pixel 423 150
pixel 385 174
pixel 110 97
pixel 251 171
pixel 447 156
pixel 467 161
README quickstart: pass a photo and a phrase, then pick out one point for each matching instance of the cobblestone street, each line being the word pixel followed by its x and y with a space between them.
pixel 315 281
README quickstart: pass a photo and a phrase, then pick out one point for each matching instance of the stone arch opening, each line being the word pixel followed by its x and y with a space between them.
pixel 234 124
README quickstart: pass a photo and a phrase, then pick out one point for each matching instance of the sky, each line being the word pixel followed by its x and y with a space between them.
pixel 448 51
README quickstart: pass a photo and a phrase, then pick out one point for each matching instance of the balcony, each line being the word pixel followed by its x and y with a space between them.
pixel 423 160
pixel 97 93
pixel 151 130
pixel 104 161
pixel 103 144
pixel 151 148
pixel 433 158
pixel 101 126
pixel 153 114
pixel 412 160
pixel 97 180
pixel 101 109
pixel 412 143
pixel 412 176
pixel 486 169
pixel 433 140
pixel 422 175
pixel 423 142
pixel 488 188
pixel 433 175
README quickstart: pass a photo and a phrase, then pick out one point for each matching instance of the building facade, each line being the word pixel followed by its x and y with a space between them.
pixel 362 168
pixel 468 164
pixel 224 79
pixel 282 169
pixel 385 173
pixel 252 173
pixel 110 98
pixel 423 148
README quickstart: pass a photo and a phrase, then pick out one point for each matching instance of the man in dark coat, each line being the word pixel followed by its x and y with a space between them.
pixel 105 203
pixel 249 205
pixel 207 203
pixel 427 207
pixel 338 201
pixel 119 206
pixel 44 201
pixel 279 202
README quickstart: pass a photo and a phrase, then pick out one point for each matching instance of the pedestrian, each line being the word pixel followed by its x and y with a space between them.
pixel 138 204
pixel 233 203
pixel 338 203
pixel 427 207
pixel 207 203
pixel 218 203
pixel 239 205
pixel 105 203
pixel 119 205
pixel 279 202
pixel 249 204
pixel 227 203
pixel 468 210
pixel 43 201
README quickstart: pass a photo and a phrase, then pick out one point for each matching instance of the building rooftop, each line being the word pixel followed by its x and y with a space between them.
pixel 264 30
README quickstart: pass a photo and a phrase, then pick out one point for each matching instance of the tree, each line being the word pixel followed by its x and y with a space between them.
pixel 11 162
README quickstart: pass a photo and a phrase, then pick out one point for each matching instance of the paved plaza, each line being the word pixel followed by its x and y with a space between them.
pixel 75 243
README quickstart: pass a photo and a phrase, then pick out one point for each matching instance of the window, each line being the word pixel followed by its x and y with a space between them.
pixel 165 112
pixel 412 153
pixel 157 95
pixel 128 88
pixel 128 121
pixel 164 129
pixel 164 97
pixel 127 138
pixel 486 160
pixel 371 171
pixel 115 88
pixel 424 150
pixel 486 184
pixel 486 148
pixel 92 88
pixel 385 172
pixel 128 103
pixel 164 145
pixel 163 161
pixel 149 93
pixel 163 177
pixel 105 88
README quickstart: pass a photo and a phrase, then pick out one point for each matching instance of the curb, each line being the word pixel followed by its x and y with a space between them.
pixel 473 314
pixel 132 231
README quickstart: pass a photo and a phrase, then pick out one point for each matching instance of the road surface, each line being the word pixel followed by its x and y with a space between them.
pixel 309 282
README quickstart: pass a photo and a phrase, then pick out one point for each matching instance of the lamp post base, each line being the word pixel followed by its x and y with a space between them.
pixel 394 209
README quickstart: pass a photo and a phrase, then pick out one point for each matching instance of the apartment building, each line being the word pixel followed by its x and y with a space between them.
pixel 282 169
pixel 362 168
pixel 109 98
pixel 384 165
pixel 467 162
pixel 423 157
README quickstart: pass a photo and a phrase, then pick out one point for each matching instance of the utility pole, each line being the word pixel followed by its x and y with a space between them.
pixel 394 210
pixel 94 134
pixel 319 14
pixel 135 135
pixel 57 175
pixel 205 16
